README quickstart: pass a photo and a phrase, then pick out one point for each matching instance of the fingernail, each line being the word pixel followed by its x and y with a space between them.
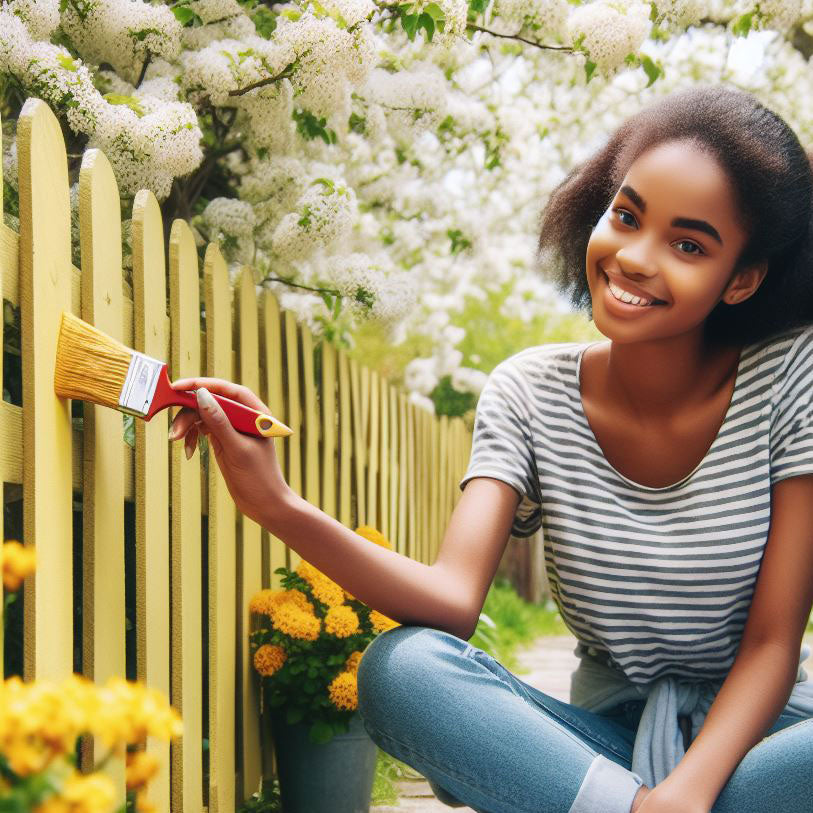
pixel 205 398
pixel 174 432
pixel 189 450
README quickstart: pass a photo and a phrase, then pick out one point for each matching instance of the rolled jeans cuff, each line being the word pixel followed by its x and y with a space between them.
pixel 607 787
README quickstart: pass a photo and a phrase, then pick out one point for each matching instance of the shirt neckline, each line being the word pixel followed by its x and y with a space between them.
pixel 594 440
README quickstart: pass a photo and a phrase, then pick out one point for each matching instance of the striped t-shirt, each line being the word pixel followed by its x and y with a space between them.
pixel 657 580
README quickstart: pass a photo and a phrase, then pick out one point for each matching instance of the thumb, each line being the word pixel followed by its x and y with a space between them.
pixel 212 415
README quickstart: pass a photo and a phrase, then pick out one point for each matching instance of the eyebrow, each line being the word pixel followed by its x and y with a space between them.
pixel 682 222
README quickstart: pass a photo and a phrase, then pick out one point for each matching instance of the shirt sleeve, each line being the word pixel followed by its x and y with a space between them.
pixel 792 411
pixel 502 445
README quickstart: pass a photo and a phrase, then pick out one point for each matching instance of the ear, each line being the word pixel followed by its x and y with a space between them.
pixel 744 283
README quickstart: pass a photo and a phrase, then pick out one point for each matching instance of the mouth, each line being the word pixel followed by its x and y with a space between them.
pixel 653 300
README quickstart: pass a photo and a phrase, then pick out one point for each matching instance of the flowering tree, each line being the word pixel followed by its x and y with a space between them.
pixel 379 160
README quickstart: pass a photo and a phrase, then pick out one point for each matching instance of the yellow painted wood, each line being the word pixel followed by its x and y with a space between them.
pixel 186 776
pixel 222 555
pixel 436 488
pixel 374 443
pixel 345 442
pixel 45 292
pixel 249 553
pixel 412 536
pixel 426 491
pixel 293 456
pixel 9 264
pixel 403 478
pixel 311 425
pixel 357 396
pixel 384 456
pixel 327 404
pixel 11 443
pixel 274 397
pixel 443 478
pixel 103 618
pixel 395 473
pixel 151 336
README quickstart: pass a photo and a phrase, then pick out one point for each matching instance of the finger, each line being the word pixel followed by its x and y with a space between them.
pixel 219 386
pixel 214 418
pixel 191 442
pixel 184 419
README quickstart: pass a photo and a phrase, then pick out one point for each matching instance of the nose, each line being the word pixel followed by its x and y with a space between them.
pixel 635 258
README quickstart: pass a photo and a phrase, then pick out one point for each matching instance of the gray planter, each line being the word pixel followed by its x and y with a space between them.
pixel 335 777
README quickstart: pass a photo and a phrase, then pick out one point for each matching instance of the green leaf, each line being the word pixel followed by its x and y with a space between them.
pixel 742 25
pixel 129 430
pixel 426 22
pixel 436 13
pixel 294 714
pixel 589 68
pixel 409 22
pixel 321 732
pixel 265 21
pixel 187 17
pixel 128 101
pixel 67 62
pixel 357 124
pixel 652 70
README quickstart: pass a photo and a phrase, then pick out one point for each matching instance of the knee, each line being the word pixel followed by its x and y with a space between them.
pixel 398 665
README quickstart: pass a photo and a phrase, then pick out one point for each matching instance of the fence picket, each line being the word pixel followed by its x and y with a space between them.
pixel 103 615
pixel 345 443
pixel 273 394
pixel 311 425
pixel 360 448
pixel 250 558
pixel 400 544
pixel 373 514
pixel 327 403
pixel 186 776
pixel 151 336
pixel 47 475
pixel 222 555
pixel 293 456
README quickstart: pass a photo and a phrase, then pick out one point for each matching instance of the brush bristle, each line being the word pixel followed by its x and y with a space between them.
pixel 90 365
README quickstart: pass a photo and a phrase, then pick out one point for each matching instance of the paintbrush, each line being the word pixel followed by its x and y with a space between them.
pixel 92 366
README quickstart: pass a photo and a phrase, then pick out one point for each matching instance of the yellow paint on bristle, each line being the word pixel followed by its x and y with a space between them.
pixel 90 365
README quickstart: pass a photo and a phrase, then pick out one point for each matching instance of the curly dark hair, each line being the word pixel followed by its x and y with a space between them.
pixel 772 182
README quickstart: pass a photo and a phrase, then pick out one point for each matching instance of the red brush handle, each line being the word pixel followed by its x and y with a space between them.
pixel 243 419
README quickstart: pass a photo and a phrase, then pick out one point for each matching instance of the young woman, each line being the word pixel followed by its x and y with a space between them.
pixel 671 468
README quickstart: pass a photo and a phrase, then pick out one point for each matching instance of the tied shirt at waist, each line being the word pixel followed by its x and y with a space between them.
pixel 674 710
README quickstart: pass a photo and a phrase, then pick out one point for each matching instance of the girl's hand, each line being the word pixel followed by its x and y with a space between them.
pixel 249 465
pixel 664 799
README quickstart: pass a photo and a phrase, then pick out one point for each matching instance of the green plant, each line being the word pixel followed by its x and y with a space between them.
pixel 310 638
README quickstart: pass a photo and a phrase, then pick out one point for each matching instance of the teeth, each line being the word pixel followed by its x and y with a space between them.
pixel 624 296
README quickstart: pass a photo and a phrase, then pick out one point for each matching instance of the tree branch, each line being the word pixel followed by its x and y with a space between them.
pixel 269 278
pixel 474 27
pixel 262 82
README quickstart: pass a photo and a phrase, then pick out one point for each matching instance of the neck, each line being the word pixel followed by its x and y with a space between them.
pixel 657 381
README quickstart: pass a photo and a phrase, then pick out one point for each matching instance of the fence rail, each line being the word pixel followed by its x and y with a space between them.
pixel 360 451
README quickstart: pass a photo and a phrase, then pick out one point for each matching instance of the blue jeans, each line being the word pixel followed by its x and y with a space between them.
pixel 484 738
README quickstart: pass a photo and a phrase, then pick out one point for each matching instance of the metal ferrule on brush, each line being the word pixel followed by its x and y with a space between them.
pixel 139 386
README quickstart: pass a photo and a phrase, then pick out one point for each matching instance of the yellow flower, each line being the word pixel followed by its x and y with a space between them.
pixel 343 691
pixel 374 535
pixel 268 659
pixel 291 620
pixel 380 621
pixel 324 588
pixel 141 768
pixel 341 621
pixel 18 562
pixel 93 793
pixel 263 601
pixel 352 663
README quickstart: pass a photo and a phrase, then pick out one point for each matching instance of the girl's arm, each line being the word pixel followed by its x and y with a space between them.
pixel 762 677
pixel 447 594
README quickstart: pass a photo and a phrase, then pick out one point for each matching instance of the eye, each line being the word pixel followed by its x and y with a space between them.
pixel 621 212
pixel 690 243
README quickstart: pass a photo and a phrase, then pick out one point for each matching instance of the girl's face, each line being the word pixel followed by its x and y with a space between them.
pixel 671 234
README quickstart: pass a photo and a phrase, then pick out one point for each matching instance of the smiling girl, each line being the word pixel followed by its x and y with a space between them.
pixel 671 470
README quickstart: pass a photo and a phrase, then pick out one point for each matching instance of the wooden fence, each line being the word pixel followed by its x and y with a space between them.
pixel 359 451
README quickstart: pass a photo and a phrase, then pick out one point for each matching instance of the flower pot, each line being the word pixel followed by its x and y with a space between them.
pixel 334 777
